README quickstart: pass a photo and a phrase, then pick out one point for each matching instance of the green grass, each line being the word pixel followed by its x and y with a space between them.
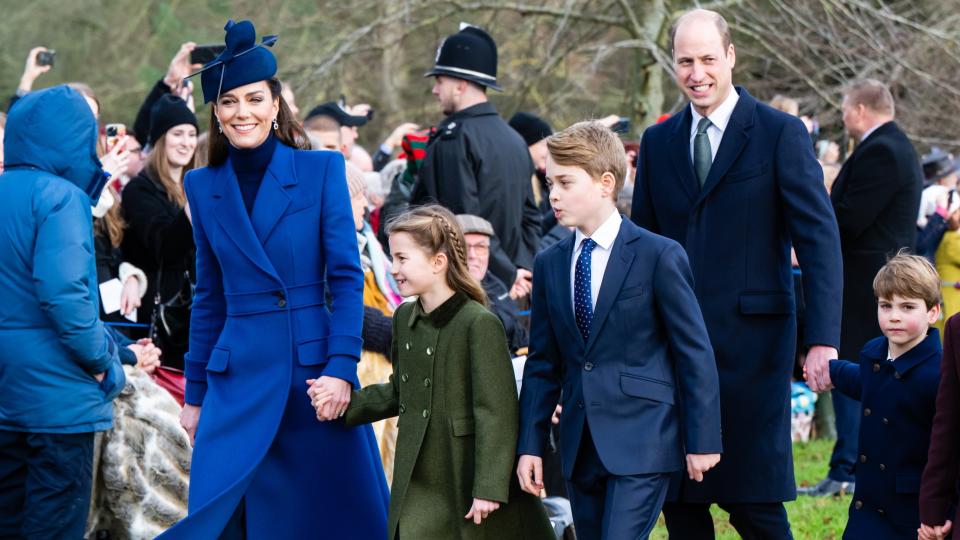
pixel 811 518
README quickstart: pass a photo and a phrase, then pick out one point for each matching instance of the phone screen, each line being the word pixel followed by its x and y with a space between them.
pixel 114 132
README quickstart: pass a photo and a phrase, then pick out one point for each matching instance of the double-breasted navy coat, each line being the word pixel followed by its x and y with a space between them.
pixel 763 193
pixel 261 327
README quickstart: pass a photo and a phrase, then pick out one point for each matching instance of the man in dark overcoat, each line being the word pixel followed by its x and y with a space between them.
pixel 736 183
pixel 876 198
pixel 475 162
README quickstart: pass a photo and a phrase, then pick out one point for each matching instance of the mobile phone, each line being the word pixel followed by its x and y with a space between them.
pixel 45 58
pixel 203 54
pixel 622 126
pixel 114 132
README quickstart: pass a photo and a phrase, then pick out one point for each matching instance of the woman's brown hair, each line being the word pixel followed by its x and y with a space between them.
pixel 435 229
pixel 112 224
pixel 158 168
pixel 289 131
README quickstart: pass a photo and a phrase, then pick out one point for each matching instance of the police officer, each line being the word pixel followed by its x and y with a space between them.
pixel 477 164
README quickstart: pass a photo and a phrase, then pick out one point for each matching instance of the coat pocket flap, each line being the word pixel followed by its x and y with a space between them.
pixel 908 483
pixel 219 359
pixel 463 426
pixel 313 352
pixel 643 387
pixel 758 303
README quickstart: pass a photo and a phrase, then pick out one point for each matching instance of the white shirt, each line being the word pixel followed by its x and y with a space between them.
pixel 719 119
pixel 604 236
pixel 870 131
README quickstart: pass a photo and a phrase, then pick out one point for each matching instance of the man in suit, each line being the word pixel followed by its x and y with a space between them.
pixel 621 334
pixel 735 182
pixel 876 198
pixel 477 164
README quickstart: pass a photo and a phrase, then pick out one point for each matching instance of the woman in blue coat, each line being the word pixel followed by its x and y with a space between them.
pixel 278 302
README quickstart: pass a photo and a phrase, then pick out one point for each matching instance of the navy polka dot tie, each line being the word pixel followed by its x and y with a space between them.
pixel 582 299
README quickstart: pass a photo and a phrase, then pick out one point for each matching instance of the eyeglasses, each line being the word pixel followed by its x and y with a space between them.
pixel 479 249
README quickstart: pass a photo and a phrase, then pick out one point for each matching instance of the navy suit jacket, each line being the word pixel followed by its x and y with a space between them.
pixel 764 192
pixel 645 381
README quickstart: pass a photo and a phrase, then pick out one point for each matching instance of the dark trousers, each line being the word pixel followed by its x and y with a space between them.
pixel 610 507
pixel 45 484
pixel 844 457
pixel 753 521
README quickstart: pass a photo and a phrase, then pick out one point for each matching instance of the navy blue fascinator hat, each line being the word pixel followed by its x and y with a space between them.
pixel 242 62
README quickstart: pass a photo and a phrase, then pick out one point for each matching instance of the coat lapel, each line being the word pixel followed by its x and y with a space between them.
pixel 621 260
pixel 735 139
pixel 272 199
pixel 561 280
pixel 679 145
pixel 233 219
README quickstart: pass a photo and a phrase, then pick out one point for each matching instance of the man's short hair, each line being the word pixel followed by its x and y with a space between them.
pixel 722 27
pixel 908 276
pixel 872 94
pixel 321 122
pixel 592 147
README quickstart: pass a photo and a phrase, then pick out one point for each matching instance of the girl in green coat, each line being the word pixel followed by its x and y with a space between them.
pixel 453 388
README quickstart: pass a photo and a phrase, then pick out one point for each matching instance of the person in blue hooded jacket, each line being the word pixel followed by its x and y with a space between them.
pixel 59 368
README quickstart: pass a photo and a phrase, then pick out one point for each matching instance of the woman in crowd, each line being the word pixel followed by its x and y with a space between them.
pixel 159 238
pixel 278 302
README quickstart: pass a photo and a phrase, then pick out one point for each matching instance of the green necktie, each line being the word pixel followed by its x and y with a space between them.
pixel 702 153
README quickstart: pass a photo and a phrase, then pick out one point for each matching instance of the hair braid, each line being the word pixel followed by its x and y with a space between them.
pixel 453 239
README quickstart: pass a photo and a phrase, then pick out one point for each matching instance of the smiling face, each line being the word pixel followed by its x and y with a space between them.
pixel 246 114
pixel 704 67
pixel 414 270
pixel 478 254
pixel 905 321
pixel 179 144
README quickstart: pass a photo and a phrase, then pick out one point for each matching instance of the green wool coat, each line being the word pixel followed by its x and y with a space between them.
pixel 454 391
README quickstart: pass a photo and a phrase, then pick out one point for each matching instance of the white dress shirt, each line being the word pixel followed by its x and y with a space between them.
pixel 604 236
pixel 719 119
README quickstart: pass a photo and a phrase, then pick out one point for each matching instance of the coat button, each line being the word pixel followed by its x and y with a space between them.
pixel 883 467
pixel 427 383
pixel 880 511
pixel 858 505
pixel 579 404
pixel 866 412
pixel 876 368
pixel 588 366
pixel 429 351
pixel 897 375
pixel 403 408
pixel 426 413
pixel 281 299
pixel 886 422
pixel 863 458
pixel 407 346
pixel 404 378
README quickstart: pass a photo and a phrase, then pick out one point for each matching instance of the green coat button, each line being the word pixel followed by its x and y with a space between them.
pixel 429 351
pixel 426 383
pixel 403 408
pixel 426 413
pixel 407 346
pixel 404 378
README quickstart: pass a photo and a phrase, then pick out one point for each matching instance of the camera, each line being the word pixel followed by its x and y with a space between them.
pixel 45 58
pixel 203 54
pixel 622 126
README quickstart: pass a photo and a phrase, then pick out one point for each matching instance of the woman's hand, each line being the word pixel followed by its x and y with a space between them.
pixel 180 67
pixel 148 355
pixel 130 296
pixel 481 509
pixel 330 396
pixel 117 159
pixel 189 417
pixel 31 70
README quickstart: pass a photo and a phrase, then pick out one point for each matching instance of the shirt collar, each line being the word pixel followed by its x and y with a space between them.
pixel 720 117
pixel 605 234
pixel 871 130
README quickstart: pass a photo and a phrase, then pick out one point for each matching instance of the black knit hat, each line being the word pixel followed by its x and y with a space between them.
pixel 470 54
pixel 531 127
pixel 167 112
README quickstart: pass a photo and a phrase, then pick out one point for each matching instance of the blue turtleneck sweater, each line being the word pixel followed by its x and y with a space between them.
pixel 250 164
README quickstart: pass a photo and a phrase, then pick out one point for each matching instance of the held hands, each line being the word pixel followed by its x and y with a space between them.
pixel 330 396
pixel 697 464
pixel 939 532
pixel 481 509
pixel 189 417
pixel 816 367
pixel 530 474
pixel 148 355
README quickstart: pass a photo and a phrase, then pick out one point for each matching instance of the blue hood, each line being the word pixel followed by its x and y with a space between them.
pixel 54 130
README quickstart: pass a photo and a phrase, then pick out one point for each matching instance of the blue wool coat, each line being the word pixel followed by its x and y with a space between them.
pixel 261 326
pixel 51 339
pixel 897 403
pixel 764 194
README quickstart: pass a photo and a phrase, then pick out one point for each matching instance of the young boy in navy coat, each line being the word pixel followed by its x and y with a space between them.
pixel 618 339
pixel 896 383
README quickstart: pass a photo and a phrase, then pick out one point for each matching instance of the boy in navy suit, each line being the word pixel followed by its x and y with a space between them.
pixel 896 384
pixel 617 338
